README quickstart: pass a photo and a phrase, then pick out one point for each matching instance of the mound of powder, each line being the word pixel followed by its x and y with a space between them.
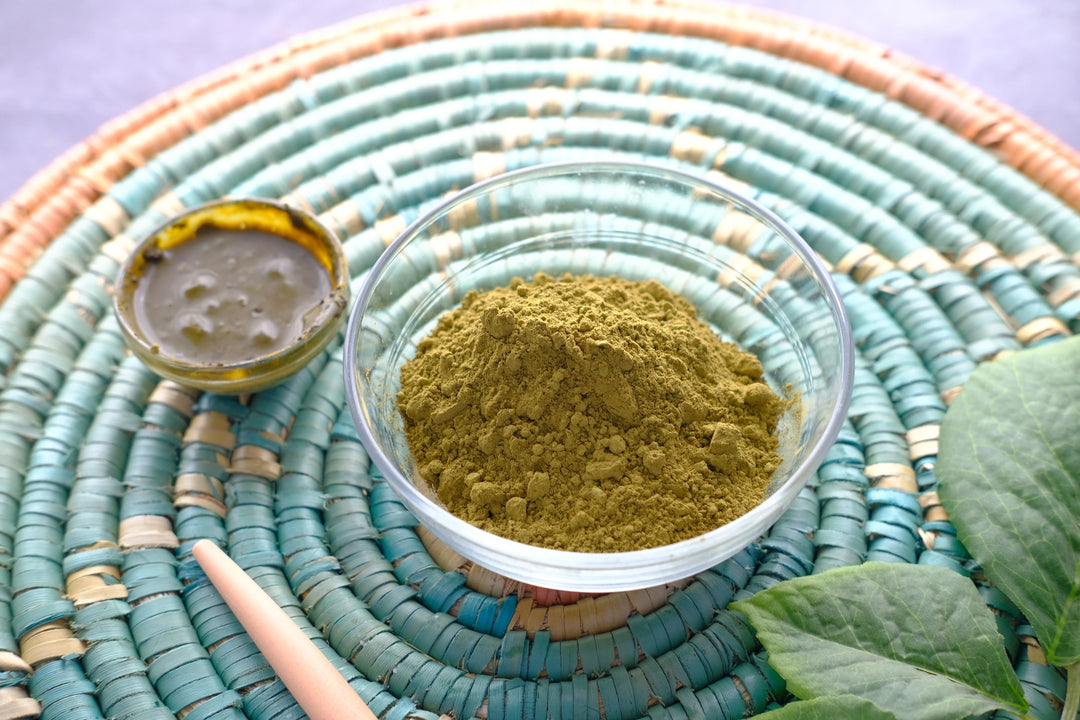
pixel 588 414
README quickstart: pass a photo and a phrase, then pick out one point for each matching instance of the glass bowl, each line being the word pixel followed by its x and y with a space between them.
pixel 316 324
pixel 751 277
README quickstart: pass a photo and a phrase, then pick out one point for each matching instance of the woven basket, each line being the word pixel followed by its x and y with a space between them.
pixel 950 221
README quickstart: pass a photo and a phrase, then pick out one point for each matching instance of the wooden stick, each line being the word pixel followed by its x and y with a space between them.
pixel 311 678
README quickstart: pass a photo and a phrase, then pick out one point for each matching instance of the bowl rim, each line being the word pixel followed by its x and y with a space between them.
pixel 220 377
pixel 561 563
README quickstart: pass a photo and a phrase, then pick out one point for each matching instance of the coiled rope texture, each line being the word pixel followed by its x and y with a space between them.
pixel 950 222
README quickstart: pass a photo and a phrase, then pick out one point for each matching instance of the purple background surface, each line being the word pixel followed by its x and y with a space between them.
pixel 68 66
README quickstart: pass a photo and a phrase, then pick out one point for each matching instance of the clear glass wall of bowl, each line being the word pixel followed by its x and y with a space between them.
pixel 750 277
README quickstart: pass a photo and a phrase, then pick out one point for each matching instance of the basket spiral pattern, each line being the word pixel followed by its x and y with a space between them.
pixel 950 223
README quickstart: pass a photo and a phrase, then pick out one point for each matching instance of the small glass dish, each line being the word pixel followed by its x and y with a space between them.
pixel 748 274
pixel 268 222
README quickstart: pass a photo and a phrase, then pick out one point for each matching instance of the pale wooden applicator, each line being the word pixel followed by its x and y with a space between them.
pixel 311 678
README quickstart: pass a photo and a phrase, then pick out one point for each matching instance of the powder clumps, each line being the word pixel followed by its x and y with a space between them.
pixel 588 414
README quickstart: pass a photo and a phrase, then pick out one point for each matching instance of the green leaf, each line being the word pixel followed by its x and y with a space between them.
pixel 830 707
pixel 917 641
pixel 1009 465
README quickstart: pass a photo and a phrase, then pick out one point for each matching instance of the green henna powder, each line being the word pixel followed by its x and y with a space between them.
pixel 588 414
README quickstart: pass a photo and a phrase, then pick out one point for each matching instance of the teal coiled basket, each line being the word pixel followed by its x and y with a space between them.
pixel 949 223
